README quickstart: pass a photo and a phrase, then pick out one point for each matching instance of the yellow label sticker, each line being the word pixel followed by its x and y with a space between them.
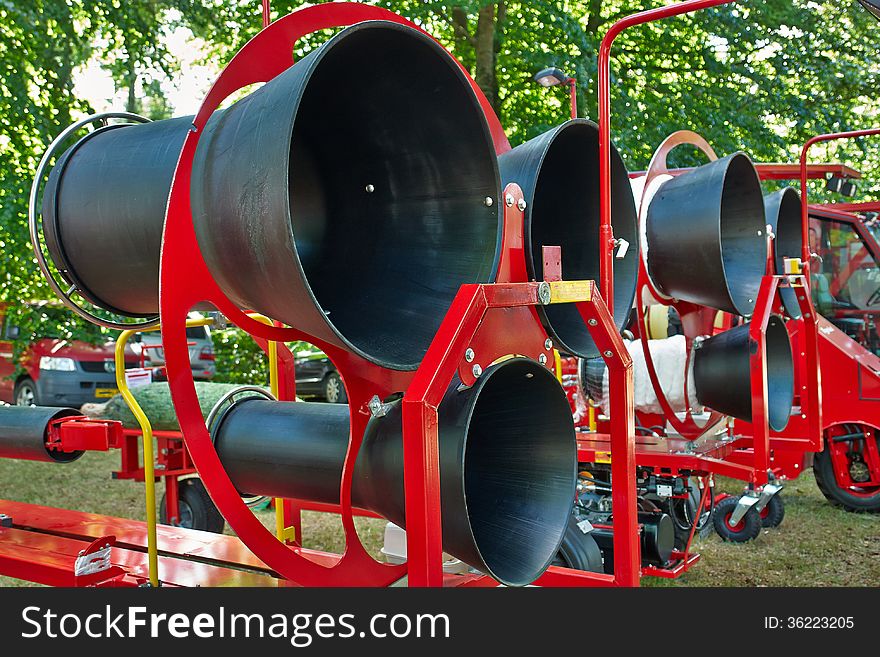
pixel 570 291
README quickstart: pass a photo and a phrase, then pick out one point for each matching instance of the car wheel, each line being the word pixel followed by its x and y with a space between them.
pixel 25 392
pixel 334 391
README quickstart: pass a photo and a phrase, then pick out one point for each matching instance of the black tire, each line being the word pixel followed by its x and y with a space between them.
pixel 772 514
pixel 334 391
pixel 197 511
pixel 823 471
pixel 747 529
pixel 26 390
pixel 578 550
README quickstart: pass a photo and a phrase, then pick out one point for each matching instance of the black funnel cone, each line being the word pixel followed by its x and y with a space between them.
pixel 339 199
pixel 783 210
pixel 508 464
pixel 706 239
pixel 722 375
pixel 558 172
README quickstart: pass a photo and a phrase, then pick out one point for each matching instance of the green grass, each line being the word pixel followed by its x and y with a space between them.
pixel 817 544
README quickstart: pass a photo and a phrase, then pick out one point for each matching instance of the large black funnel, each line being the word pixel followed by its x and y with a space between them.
pixel 783 215
pixel 337 198
pixel 508 464
pixel 558 172
pixel 722 376
pixel 705 234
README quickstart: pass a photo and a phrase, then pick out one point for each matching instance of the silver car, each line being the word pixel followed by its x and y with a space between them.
pixel 201 353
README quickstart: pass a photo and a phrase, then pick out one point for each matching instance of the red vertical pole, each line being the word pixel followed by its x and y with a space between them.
pixel 573 94
pixel 267 18
pixel 758 369
pixel 627 547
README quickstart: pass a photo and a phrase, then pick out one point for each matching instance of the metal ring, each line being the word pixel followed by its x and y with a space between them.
pixel 229 397
pixel 36 228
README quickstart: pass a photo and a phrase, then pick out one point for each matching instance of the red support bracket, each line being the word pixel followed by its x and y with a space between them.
pixel 81 433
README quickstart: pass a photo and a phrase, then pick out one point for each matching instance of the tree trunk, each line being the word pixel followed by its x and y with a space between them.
pixel 131 104
pixel 485 73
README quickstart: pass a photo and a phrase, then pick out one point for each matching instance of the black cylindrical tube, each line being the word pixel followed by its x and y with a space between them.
pixel 705 234
pixel 722 373
pixel 507 463
pixel 783 210
pixel 558 172
pixel 104 209
pixel 25 429
pixel 657 540
pixel 337 198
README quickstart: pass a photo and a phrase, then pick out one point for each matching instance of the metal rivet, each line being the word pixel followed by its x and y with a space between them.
pixel 477 370
pixel 608 354
pixel 370 189
pixel 760 233
pixel 750 301
pixel 469 355
pixel 542 359
pixel 521 204
pixel 488 201
pixel 592 322
pixel 548 343
pixel 509 200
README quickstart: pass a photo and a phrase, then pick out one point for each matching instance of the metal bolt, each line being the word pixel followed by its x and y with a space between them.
pixel 508 200
pixel 377 408
pixel 750 301
pixel 542 359
pixel 469 355
pixel 370 189
pixel 608 353
pixel 807 315
pixel 592 322
pixel 544 294
pixel 760 232
pixel 488 201
pixel 521 204
pixel 477 370
pixel 548 343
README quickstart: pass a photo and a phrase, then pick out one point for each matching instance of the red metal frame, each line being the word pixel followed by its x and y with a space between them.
pixel 471 320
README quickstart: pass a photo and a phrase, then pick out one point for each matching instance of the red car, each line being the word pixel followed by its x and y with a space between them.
pixel 56 372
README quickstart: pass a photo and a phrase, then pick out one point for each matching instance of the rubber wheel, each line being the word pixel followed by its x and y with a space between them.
pixel 823 470
pixel 25 393
pixel 773 513
pixel 197 511
pixel 578 550
pixel 334 391
pixel 746 530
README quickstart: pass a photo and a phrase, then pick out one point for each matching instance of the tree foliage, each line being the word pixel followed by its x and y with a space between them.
pixel 756 76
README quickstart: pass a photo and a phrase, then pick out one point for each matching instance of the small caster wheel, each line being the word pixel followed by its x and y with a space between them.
pixel 745 530
pixel 773 513
pixel 197 511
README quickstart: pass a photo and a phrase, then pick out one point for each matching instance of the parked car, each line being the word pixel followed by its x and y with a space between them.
pixel 201 353
pixel 316 376
pixel 56 372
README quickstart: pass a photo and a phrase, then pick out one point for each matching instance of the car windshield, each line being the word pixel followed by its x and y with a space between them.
pixel 846 277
